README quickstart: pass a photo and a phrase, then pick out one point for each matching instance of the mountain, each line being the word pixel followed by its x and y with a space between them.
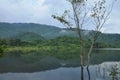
pixel 31 31
pixel 28 36
pixel 109 38
pixel 9 30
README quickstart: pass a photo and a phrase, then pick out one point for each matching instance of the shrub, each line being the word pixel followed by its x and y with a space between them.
pixel 2 49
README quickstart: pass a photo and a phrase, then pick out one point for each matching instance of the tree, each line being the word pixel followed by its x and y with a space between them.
pixel 15 42
pixel 3 45
pixel 99 14
pixel 4 42
pixel 1 51
pixel 80 13
pixel 114 72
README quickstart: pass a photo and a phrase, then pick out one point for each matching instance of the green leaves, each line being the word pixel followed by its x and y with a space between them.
pixel 99 9
pixel 114 72
pixel 63 18
pixel 2 49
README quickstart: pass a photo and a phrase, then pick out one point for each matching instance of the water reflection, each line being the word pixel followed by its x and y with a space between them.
pixel 35 63
pixel 38 65
pixel 98 72
pixel 88 71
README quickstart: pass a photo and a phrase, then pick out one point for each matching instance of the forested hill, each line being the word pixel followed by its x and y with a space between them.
pixel 11 30
pixel 31 31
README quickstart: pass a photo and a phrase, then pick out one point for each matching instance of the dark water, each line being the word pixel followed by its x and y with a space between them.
pixel 98 72
pixel 50 68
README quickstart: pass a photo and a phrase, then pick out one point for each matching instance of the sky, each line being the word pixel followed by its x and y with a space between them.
pixel 40 11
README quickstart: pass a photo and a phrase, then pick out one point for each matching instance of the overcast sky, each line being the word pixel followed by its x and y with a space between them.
pixel 40 11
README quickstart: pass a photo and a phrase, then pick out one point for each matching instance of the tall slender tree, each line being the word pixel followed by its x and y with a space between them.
pixel 77 18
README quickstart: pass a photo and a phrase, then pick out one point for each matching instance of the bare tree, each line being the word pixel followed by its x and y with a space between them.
pixel 75 19
pixel 79 14
pixel 99 14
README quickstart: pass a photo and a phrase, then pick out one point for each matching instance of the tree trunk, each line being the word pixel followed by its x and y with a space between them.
pixel 81 58
pixel 89 54
pixel 82 67
pixel 89 57
pixel 88 71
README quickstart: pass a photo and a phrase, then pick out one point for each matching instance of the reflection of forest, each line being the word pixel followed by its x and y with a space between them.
pixel 104 71
pixel 97 72
pixel 45 59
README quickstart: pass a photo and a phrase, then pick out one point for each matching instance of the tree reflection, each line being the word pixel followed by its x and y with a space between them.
pixel 82 73
pixel 88 71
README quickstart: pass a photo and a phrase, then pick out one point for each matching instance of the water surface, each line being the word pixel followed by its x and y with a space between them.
pixel 98 72
pixel 51 68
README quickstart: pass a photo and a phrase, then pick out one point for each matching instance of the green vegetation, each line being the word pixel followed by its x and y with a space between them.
pixel 37 55
pixel 2 49
pixel 30 46
pixel 114 72
pixel 15 30
pixel 31 31
pixel 61 47
pixel 28 36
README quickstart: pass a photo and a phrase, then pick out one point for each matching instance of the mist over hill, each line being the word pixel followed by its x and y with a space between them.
pixel 31 31
pixel 10 30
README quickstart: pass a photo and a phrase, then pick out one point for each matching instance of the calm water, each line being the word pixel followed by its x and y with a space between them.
pixel 98 72
pixel 51 69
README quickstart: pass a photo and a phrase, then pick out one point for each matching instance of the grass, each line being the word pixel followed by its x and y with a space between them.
pixel 24 49
pixel 61 52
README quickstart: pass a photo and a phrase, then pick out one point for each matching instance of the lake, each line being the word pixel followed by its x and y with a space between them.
pixel 50 68
pixel 98 72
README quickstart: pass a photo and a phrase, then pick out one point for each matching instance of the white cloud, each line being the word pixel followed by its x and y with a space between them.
pixel 113 24
pixel 111 29
pixel 35 11
pixel 22 10
pixel 40 11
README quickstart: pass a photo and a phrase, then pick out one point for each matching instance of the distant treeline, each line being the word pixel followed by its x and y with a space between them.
pixel 59 41
pixel 62 48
